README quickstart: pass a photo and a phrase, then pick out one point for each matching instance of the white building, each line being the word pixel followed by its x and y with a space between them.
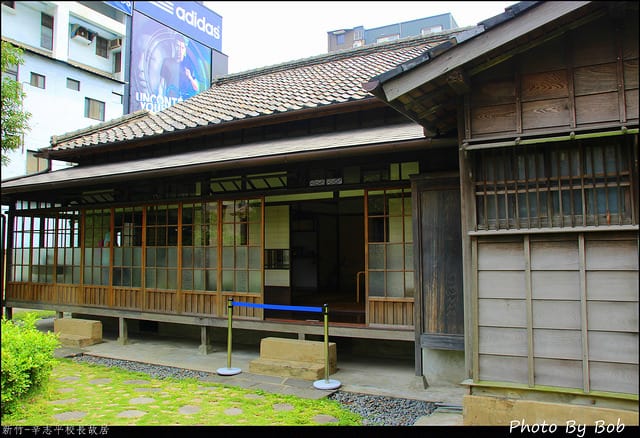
pixel 72 71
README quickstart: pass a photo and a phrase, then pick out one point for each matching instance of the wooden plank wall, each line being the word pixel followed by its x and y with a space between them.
pixel 589 78
pixel 397 312
pixel 558 310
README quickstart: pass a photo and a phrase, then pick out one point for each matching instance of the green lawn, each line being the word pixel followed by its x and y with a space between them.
pixel 81 394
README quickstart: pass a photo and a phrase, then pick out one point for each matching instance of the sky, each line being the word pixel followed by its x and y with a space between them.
pixel 261 33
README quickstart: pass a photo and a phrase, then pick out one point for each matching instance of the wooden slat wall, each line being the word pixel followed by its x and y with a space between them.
pixel 127 298
pixel 612 313
pixel 95 296
pixel 389 311
pixel 162 301
pixel 67 293
pixel 582 328
pixel 587 78
pixel 200 303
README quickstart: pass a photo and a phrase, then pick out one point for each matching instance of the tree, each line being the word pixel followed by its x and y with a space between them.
pixel 15 121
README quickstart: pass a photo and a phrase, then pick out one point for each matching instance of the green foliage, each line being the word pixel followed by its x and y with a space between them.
pixel 14 119
pixel 27 360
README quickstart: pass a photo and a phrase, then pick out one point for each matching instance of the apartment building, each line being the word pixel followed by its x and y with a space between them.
pixel 81 69
pixel 359 36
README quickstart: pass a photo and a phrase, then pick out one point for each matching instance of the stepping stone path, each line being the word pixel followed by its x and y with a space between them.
pixel 64 402
pixel 189 410
pixel 322 419
pixel 233 411
pixel 141 400
pixel 73 415
pixel 69 379
pixel 184 410
pixel 100 381
pixel 131 414
pixel 147 389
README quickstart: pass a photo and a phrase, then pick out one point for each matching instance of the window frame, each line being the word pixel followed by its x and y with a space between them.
pixel 74 82
pixel 102 47
pixel 46 31
pixel 37 80
pixel 88 110
pixel 589 182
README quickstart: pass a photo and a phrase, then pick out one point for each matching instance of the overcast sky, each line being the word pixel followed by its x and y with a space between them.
pixel 262 33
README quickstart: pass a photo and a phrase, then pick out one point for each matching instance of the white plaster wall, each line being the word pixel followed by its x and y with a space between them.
pixel 57 109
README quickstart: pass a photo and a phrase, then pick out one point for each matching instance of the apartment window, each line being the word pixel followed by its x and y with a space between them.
pixel 11 72
pixel 117 62
pixel 562 185
pixel 117 97
pixel 384 39
pixel 37 80
pixel 340 39
pixel 430 30
pixel 358 35
pixel 72 84
pixel 93 109
pixel 46 31
pixel 102 47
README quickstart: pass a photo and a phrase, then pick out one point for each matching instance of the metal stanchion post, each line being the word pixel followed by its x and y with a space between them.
pixel 326 383
pixel 228 371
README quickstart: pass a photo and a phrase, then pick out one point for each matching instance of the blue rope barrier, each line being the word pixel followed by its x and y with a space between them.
pixel 318 384
pixel 278 307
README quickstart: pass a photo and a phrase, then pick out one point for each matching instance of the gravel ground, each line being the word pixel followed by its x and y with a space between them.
pixel 375 410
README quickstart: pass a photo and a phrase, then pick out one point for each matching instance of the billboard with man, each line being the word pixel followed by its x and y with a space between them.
pixel 166 65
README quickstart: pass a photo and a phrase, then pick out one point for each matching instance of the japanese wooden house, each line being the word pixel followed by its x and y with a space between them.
pixel 545 108
pixel 473 192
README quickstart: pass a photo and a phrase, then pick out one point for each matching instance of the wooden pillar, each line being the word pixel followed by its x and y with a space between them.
pixel 205 340
pixel 123 335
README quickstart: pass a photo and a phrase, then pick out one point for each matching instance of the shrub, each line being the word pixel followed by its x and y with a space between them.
pixel 27 360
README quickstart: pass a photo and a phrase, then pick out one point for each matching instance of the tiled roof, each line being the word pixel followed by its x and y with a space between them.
pixel 307 83
pixel 218 157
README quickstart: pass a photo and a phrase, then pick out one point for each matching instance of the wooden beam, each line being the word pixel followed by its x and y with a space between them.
pixel 459 82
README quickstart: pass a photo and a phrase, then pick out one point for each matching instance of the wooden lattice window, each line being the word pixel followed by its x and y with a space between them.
pixel 97 244
pixel 200 246
pixel 68 247
pixel 21 254
pixel 389 243
pixel 582 183
pixel 127 247
pixel 161 271
pixel 242 246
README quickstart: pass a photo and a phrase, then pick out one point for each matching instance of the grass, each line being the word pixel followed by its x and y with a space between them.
pixel 101 394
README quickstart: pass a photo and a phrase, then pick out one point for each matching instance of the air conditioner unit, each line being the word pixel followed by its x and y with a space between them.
pixel 115 43
pixel 80 32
